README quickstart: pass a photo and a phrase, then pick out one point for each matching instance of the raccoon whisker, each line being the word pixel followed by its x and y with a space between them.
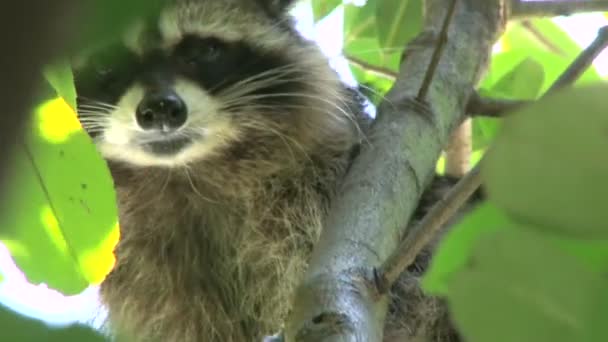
pixel 90 101
pixel 159 194
pixel 187 169
pixel 369 51
pixel 286 140
pixel 262 76
pixel 291 68
pixel 94 107
pixel 329 102
pixel 252 86
pixel 94 129
pixel 86 114
pixel 92 118
pixel 376 93
pixel 295 95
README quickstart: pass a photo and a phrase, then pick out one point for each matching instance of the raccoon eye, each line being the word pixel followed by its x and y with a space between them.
pixel 194 51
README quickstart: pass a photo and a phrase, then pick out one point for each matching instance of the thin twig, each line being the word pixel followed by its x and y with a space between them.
pixel 480 106
pixel 542 38
pixel 428 228
pixel 443 39
pixel 443 210
pixel 553 8
pixel 492 107
pixel 582 62
pixel 380 71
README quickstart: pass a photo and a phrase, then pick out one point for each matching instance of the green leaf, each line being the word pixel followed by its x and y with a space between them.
pixel 454 251
pixel 21 329
pixel 106 20
pixel 549 45
pixel 541 34
pixel 398 21
pixel 484 132
pixel 61 78
pixel 517 288
pixel 548 165
pixel 60 223
pixel 321 8
pixel 360 22
pixel 522 82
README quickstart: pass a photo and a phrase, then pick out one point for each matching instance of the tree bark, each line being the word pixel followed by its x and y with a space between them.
pixel 553 8
pixel 339 298
pixel 459 150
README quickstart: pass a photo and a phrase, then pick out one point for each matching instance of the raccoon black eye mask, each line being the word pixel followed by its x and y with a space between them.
pixel 227 134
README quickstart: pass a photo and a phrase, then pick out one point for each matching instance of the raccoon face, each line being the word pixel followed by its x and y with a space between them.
pixel 202 76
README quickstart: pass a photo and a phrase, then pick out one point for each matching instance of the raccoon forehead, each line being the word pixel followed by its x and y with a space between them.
pixel 228 20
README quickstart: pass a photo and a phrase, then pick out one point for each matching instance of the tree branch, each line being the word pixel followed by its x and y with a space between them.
pixel 380 71
pixel 491 107
pixel 553 8
pixel 459 149
pixel 338 298
pixel 444 210
pixel 583 61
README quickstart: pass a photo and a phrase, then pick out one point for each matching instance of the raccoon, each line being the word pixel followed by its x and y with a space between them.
pixel 227 134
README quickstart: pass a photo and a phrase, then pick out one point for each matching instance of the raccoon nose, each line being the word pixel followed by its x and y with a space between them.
pixel 164 111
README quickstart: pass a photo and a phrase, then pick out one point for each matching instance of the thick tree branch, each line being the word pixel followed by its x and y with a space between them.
pixel 553 8
pixel 444 210
pixel 338 299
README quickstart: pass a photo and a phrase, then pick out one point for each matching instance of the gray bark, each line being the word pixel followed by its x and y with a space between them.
pixel 338 300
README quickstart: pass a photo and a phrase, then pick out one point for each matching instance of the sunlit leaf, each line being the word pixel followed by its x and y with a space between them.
pixel 60 223
pixel 360 22
pixel 321 8
pixel 524 80
pixel 60 76
pixel 541 34
pixel 548 165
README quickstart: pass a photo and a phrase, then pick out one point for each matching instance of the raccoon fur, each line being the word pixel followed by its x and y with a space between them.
pixel 227 134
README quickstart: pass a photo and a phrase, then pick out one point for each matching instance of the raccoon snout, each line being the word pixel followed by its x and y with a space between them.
pixel 161 110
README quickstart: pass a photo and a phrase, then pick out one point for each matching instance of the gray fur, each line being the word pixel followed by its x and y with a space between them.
pixel 212 248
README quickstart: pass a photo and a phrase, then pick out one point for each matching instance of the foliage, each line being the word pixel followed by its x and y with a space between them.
pixel 22 329
pixel 532 257
pixel 59 220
